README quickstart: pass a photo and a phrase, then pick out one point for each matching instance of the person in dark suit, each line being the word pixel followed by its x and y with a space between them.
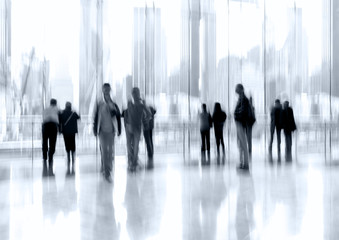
pixel 219 118
pixel 106 116
pixel 148 126
pixel 206 123
pixel 241 121
pixel 289 126
pixel 68 128
pixel 276 124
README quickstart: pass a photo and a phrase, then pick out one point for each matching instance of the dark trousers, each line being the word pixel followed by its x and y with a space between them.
pixel 278 139
pixel 205 140
pixel 69 140
pixel 107 151
pixel 219 138
pixel 149 142
pixel 249 139
pixel 49 137
pixel 132 139
pixel 288 143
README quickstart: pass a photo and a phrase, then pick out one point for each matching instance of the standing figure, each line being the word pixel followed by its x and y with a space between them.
pixel 135 113
pixel 250 123
pixel 219 118
pixel 148 125
pixel 205 125
pixel 288 124
pixel 106 116
pixel 49 135
pixel 276 124
pixel 241 121
pixel 68 128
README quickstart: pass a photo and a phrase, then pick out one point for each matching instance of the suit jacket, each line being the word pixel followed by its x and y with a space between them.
pixel 115 116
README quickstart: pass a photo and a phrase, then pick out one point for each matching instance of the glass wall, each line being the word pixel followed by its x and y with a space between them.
pixel 180 53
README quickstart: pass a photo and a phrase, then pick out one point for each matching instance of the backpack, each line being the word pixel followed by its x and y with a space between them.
pixel 251 115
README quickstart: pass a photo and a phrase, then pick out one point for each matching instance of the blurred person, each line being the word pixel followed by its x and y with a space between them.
pixel 50 127
pixel 219 118
pixel 68 128
pixel 276 124
pixel 135 114
pixel 241 121
pixel 249 126
pixel 206 123
pixel 106 115
pixel 289 126
pixel 148 126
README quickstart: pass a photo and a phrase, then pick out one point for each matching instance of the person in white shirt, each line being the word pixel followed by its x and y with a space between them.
pixel 49 136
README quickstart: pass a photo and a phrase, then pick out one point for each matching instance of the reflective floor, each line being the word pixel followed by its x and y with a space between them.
pixel 178 199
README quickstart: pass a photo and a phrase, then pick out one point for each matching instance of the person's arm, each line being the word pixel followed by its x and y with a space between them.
pixel 118 116
pixel 95 119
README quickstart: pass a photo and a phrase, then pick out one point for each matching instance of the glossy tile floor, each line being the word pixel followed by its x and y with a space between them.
pixel 176 200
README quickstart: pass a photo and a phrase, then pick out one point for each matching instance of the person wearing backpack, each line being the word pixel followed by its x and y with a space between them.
pixel 68 128
pixel 205 126
pixel 250 123
pixel 219 118
pixel 241 114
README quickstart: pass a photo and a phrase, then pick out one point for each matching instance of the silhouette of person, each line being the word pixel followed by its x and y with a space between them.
pixel 241 121
pixel 49 135
pixel 205 126
pixel 276 124
pixel 219 118
pixel 249 128
pixel 135 112
pixel 68 128
pixel 106 115
pixel 148 126
pixel 289 126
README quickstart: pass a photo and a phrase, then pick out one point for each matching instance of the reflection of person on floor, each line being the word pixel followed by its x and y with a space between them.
pixel 244 212
pixel 106 115
pixel 148 125
pixel 205 126
pixel 105 225
pixel 289 126
pixel 276 125
pixel 219 118
pixel 49 135
pixel 69 127
pixel 241 118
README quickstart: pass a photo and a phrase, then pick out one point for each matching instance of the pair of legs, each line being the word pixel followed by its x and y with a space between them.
pixel 219 138
pixel 69 140
pixel 49 137
pixel 107 152
pixel 278 139
pixel 149 145
pixel 205 145
pixel 249 139
pixel 133 139
pixel 242 143
pixel 288 143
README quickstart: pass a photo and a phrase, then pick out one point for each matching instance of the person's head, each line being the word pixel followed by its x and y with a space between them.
pixel 68 106
pixel 136 94
pixel 286 104
pixel 53 102
pixel 277 102
pixel 239 88
pixel 106 89
pixel 217 107
pixel 203 107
